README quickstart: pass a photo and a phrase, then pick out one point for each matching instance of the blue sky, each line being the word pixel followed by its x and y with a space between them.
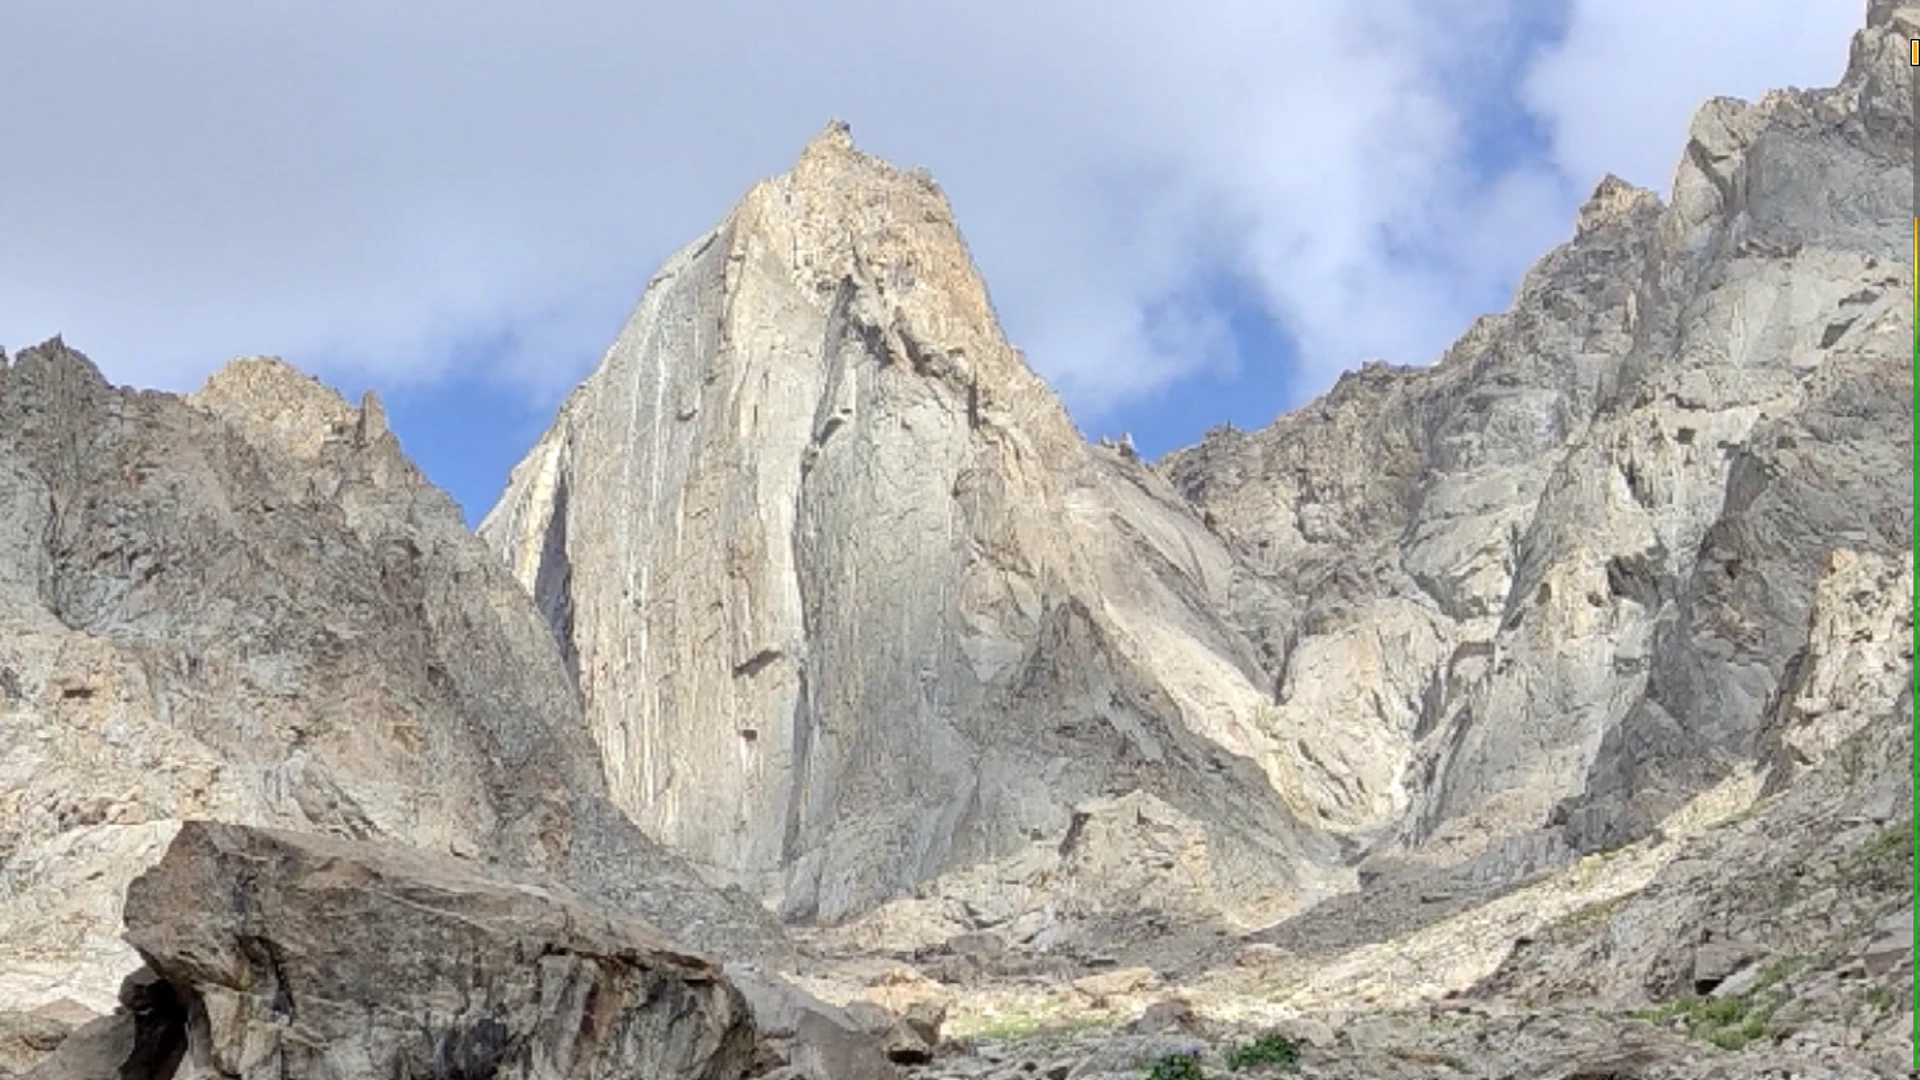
pixel 1187 214
pixel 467 434
pixel 1256 378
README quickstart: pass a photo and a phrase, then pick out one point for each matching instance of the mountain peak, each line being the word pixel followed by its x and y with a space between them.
pixel 54 357
pixel 1612 200
pixel 816 480
pixel 835 138
pixel 267 396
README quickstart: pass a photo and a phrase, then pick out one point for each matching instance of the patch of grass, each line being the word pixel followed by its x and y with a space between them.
pixel 1778 970
pixel 1040 1024
pixel 1878 998
pixel 1272 1048
pixel 1729 1022
pixel 1584 920
pixel 1176 1067
pixel 1891 844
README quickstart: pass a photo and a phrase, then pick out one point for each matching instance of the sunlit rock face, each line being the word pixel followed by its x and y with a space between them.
pixel 849 600
pixel 851 605
pixel 1580 551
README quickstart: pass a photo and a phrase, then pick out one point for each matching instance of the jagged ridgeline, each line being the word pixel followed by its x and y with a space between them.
pixel 246 604
pixel 813 603
pixel 852 607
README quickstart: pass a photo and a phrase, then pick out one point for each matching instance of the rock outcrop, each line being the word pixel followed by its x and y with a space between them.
pixel 1796 918
pixel 247 605
pixel 849 600
pixel 295 955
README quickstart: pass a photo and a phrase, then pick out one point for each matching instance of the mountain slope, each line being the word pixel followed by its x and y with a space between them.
pixel 852 607
pixel 247 605
pixel 849 600
pixel 1591 532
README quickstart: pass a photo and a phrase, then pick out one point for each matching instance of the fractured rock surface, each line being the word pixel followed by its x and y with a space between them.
pixel 305 956
pixel 849 600
pixel 247 604
pixel 1571 561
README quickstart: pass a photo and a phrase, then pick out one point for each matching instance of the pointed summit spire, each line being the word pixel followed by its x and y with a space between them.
pixel 836 137
pixel 1612 200
pixel 830 160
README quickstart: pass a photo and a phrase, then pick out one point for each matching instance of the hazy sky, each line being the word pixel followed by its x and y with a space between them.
pixel 1186 213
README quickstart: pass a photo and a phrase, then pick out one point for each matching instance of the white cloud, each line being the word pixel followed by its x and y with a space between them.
pixel 1623 84
pixel 372 185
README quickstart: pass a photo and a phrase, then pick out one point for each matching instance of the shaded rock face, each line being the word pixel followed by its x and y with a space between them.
pixel 297 955
pixel 849 600
pixel 247 604
pixel 144 1039
pixel 1804 908
pixel 1573 561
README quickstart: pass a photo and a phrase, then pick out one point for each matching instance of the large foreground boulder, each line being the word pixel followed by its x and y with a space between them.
pixel 300 956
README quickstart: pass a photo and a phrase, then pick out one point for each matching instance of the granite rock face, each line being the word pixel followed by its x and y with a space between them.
pixel 247 605
pixel 1572 562
pixel 849 600
pixel 298 955
pixel 852 607
pixel 1559 681
pixel 1798 915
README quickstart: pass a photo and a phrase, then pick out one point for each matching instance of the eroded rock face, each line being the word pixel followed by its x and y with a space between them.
pixel 1547 587
pixel 851 606
pixel 849 600
pixel 246 604
pixel 1802 911
pixel 307 956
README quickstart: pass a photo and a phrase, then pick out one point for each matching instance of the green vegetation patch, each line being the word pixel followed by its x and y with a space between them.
pixel 1729 1022
pixel 1584 920
pixel 1272 1048
pixel 1891 845
pixel 1043 1024
pixel 1176 1067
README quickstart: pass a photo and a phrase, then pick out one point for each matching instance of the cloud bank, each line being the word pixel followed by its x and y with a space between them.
pixel 434 190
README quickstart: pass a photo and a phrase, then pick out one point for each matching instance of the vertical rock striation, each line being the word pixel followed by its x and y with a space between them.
pixel 1577 555
pixel 849 600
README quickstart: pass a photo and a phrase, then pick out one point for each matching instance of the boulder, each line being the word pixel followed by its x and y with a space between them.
pixel 1891 943
pixel 804 1038
pixel 298 955
pixel 26 1038
pixel 1173 1015
pixel 1112 984
pixel 1714 962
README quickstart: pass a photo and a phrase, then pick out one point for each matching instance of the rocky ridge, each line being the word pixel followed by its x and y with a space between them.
pixel 247 605
pixel 1576 555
